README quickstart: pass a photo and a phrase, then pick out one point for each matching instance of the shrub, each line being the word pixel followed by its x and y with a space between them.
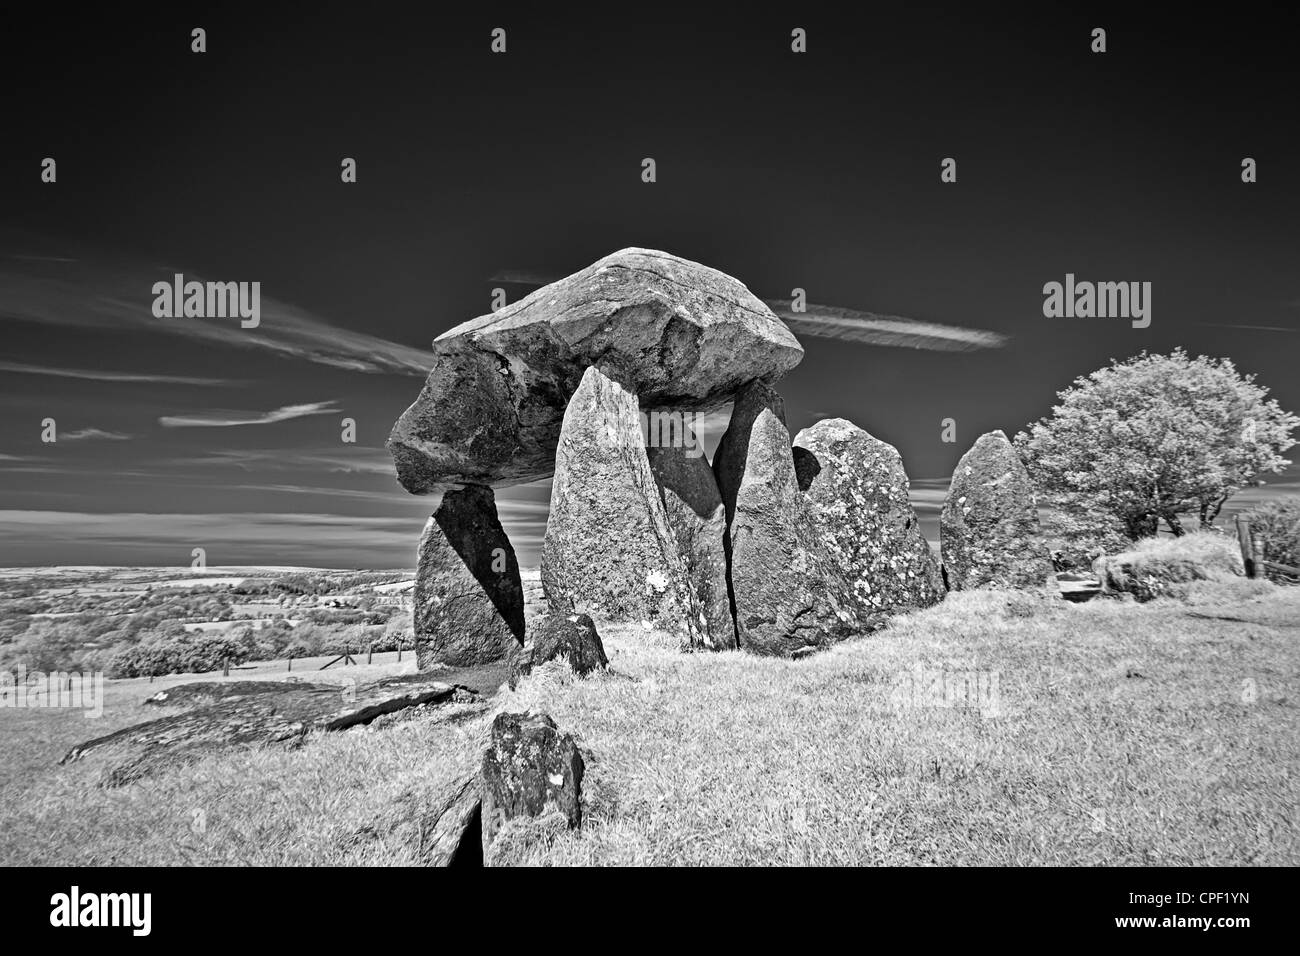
pixel 47 645
pixel 1278 521
pixel 1159 567
pixel 1159 436
pixel 193 652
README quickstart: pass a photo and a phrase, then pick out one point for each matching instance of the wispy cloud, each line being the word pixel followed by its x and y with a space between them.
pixel 383 497
pixel 227 419
pixel 870 328
pixel 96 375
pixel 349 459
pixel 93 434
pixel 1253 328
pixel 100 290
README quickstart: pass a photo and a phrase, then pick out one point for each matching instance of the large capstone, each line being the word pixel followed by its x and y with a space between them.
pixel 675 333
pixel 468 603
pixel 608 549
pixel 689 492
pixel 789 598
pixel 988 531
pixel 858 491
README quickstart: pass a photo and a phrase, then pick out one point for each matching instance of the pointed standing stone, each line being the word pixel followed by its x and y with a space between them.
pixel 788 596
pixel 469 603
pixel 988 531
pixel 609 550
pixel 733 449
pixel 858 491
pixel 696 515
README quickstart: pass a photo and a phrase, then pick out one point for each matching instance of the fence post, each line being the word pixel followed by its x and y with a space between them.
pixel 291 662
pixel 370 651
pixel 225 667
pixel 1247 542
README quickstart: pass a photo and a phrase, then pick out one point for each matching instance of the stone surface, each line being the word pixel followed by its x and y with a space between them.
pixel 468 600
pixel 452 838
pixel 207 692
pixel 608 549
pixel 281 717
pixel 858 491
pixel 689 492
pixel 571 636
pixel 787 594
pixel 1076 587
pixel 988 531
pixel 676 333
pixel 530 770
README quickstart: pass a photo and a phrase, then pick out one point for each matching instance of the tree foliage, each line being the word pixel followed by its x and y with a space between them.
pixel 1156 437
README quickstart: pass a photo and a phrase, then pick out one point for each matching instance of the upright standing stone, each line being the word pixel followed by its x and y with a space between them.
pixel 788 596
pixel 469 603
pixel 988 531
pixel 530 770
pixel 858 491
pixel 733 450
pixel 608 548
pixel 698 520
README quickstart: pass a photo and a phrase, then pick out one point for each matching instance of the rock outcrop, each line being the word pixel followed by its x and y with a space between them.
pixel 988 531
pixel 673 332
pixel 451 836
pixel 281 716
pixel 530 770
pixel 608 547
pixel 858 491
pixel 570 636
pixel 468 602
pixel 788 597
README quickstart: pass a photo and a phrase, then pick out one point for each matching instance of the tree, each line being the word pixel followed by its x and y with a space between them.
pixel 1156 437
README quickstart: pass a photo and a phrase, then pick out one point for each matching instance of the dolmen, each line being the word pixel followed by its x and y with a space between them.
pixel 775 547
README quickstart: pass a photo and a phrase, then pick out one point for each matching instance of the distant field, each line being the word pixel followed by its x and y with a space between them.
pixel 997 728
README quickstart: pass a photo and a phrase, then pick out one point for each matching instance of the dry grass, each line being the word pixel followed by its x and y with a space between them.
pixel 1125 734
pixel 1156 567
pixel 1160 733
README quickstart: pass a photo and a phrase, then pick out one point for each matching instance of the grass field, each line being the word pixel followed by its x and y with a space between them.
pixel 996 728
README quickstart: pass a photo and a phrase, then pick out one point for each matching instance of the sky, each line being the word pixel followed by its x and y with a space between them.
pixel 818 171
